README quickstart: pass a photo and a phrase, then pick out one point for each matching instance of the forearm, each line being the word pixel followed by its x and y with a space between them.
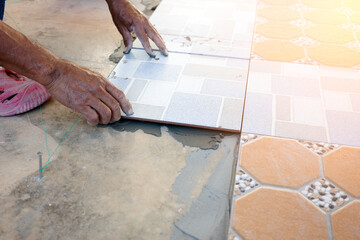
pixel 24 56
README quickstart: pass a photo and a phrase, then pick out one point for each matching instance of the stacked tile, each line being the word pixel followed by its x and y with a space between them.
pixel 202 82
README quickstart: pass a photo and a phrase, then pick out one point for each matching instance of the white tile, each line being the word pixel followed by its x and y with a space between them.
pixel 259 82
pixel 308 111
pixel 301 70
pixel 337 101
pixel 157 93
pixel 190 84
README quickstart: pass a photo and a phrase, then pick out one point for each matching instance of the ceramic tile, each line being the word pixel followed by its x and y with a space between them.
pixel 157 93
pixel 339 101
pixel 341 84
pixel 288 163
pixel 231 89
pixel 344 127
pixel 158 71
pixel 283 108
pixel 342 166
pixel 277 214
pixel 308 111
pixel 206 27
pixel 201 91
pixel 231 113
pixel 300 131
pixel 258 113
pixel 136 89
pixel 259 83
pixel 346 222
pixel 355 102
pixel 193 109
pixel 295 86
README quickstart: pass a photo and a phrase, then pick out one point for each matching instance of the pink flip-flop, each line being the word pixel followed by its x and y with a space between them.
pixel 19 94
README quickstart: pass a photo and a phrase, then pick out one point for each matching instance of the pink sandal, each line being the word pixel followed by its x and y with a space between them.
pixel 19 94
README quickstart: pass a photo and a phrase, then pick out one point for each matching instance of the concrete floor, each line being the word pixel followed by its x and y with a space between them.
pixel 127 180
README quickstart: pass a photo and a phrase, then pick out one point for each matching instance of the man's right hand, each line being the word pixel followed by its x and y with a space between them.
pixel 87 92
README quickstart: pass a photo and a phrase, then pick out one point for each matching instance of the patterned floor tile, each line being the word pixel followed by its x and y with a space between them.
pixel 301 101
pixel 342 166
pixel 346 222
pixel 184 89
pixel 277 214
pixel 288 163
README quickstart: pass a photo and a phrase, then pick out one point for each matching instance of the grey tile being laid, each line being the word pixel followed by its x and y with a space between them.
pixel 266 67
pixel 158 71
pixel 258 114
pixel 295 86
pixel 232 89
pixel 193 109
pixel 231 113
pixel 157 93
pixel 126 69
pixel 344 127
pixel 121 83
pixel 145 111
pixel 135 90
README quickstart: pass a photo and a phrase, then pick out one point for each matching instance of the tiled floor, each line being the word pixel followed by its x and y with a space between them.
pixel 293 189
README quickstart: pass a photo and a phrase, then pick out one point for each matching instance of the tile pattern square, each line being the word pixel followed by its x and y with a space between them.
pixel 184 89
pixel 303 102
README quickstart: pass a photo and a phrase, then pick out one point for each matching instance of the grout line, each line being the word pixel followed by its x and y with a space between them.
pixel 329 227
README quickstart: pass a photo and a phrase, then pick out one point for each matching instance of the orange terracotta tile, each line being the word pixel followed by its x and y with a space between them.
pixel 322 3
pixel 334 55
pixel 346 222
pixel 280 2
pixel 277 214
pixel 279 50
pixel 355 18
pixel 353 4
pixel 340 85
pixel 279 30
pixel 326 33
pixel 342 166
pixel 279 13
pixel 282 162
pixel 325 16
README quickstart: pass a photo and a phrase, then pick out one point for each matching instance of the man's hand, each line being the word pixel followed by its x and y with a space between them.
pixel 87 92
pixel 128 19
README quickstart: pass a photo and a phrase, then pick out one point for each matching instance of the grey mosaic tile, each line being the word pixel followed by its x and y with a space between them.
pixel 320 148
pixel 158 93
pixel 243 183
pixel 158 71
pixel 344 127
pixel 230 89
pixel 355 102
pixel 258 114
pixel 135 90
pixel 231 113
pixel 193 109
pixel 126 69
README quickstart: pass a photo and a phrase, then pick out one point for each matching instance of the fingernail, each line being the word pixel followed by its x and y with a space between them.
pixel 131 111
pixel 166 53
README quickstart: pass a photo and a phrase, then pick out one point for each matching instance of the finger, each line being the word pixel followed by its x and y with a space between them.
pixel 157 39
pixel 128 40
pixel 91 116
pixel 111 103
pixel 121 98
pixel 103 111
pixel 140 32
